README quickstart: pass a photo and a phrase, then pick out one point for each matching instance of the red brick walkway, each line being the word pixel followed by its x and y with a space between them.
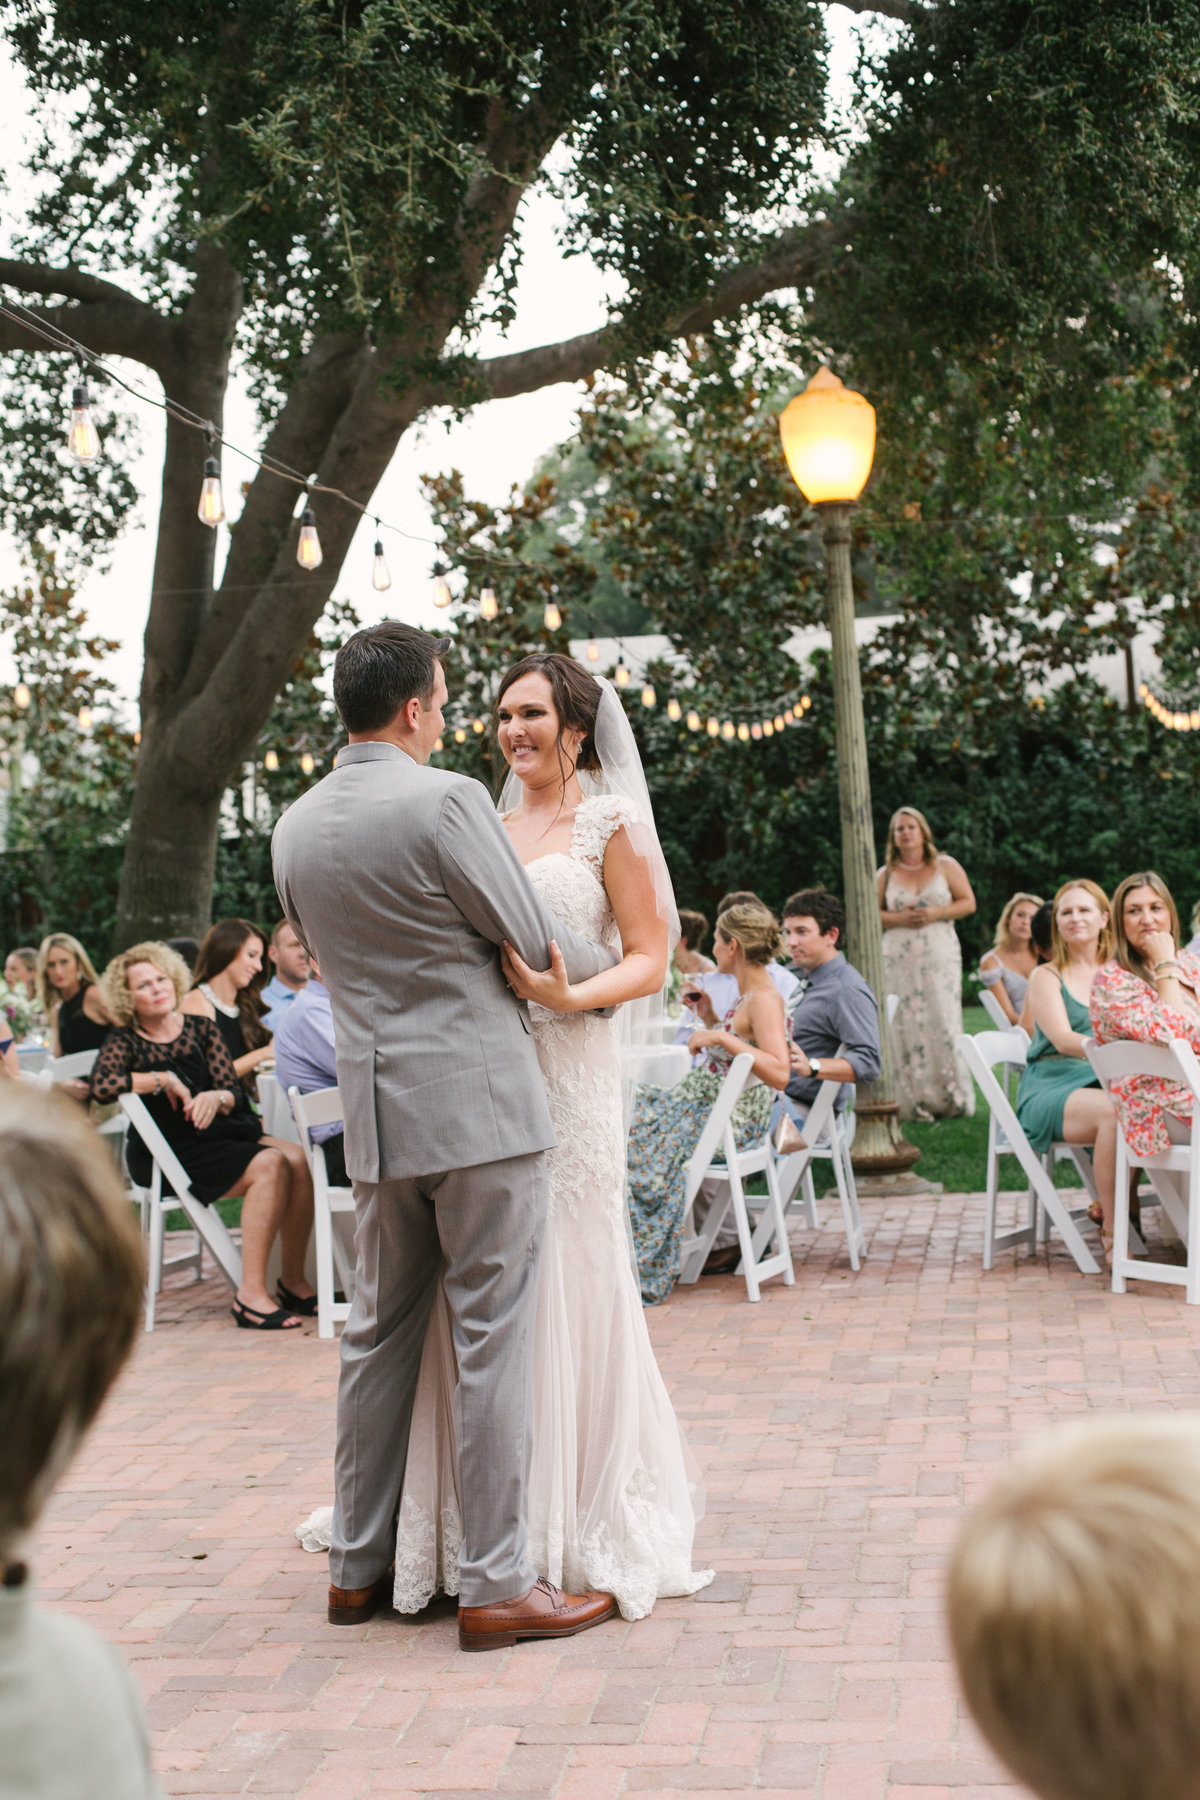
pixel 841 1425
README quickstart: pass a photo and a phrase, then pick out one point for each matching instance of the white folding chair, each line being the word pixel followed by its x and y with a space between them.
pixel 276 1113
pixel 982 1054
pixel 994 1010
pixel 309 1111
pixel 717 1155
pixel 210 1228
pixel 825 1137
pixel 1174 1174
pixel 76 1067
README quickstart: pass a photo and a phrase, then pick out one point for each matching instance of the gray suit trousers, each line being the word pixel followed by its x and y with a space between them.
pixel 486 1222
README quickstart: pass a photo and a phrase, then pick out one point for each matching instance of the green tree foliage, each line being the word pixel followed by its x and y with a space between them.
pixel 68 788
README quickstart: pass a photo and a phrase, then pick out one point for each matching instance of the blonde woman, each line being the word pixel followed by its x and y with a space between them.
pixel 1149 993
pixel 71 997
pixel 179 1065
pixel 1007 967
pixel 667 1122
pixel 1059 1099
pixel 921 893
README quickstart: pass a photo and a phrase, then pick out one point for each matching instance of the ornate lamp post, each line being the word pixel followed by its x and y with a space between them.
pixel 829 441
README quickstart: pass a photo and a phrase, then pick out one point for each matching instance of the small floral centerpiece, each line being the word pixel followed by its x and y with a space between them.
pixel 23 1015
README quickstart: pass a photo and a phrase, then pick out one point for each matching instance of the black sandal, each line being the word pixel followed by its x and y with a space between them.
pixel 249 1318
pixel 306 1308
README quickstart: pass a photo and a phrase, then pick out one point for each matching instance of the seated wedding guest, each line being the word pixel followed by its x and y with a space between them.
pixel 178 1063
pixel 71 1281
pixel 1149 993
pixel 71 997
pixel 227 983
pixel 289 973
pixel 306 1058
pixel 667 1122
pixel 721 989
pixel 693 929
pixel 1073 1603
pixel 1006 968
pixel 833 1031
pixel 1059 1099
pixel 21 973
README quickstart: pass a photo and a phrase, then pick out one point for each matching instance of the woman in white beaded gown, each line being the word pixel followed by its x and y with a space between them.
pixel 613 1493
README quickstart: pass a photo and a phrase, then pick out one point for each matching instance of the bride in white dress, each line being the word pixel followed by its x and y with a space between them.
pixel 613 1493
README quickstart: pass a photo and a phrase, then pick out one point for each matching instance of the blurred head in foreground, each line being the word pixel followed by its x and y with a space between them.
pixel 71 1279
pixel 1074 1612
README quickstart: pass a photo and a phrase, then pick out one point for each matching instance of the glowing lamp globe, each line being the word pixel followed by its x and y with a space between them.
pixel 828 437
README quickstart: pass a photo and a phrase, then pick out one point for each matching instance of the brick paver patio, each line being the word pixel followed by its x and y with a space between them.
pixel 841 1424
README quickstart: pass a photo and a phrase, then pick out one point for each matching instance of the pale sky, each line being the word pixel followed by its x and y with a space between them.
pixel 495 446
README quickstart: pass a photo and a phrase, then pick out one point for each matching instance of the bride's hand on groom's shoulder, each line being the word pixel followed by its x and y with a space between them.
pixel 551 989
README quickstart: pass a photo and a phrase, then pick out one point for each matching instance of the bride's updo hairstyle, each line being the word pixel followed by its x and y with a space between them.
pixel 755 930
pixel 576 696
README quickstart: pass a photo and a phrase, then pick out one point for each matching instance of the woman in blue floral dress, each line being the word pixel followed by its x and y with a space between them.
pixel 667 1122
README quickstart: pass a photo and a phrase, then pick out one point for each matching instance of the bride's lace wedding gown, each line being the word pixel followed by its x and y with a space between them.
pixel 613 1493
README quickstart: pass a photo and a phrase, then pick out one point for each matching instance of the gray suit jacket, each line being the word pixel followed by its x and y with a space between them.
pixel 402 882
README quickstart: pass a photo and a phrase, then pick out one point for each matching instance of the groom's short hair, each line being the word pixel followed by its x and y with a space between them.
pixel 380 669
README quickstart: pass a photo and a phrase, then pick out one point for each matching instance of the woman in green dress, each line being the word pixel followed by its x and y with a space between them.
pixel 1059 1099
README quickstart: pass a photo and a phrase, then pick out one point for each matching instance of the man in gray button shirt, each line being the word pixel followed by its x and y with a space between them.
pixel 832 1008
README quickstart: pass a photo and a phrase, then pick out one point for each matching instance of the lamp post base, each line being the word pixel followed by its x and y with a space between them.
pixel 880 1147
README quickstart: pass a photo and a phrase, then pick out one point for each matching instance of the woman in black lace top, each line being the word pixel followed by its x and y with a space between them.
pixel 180 1066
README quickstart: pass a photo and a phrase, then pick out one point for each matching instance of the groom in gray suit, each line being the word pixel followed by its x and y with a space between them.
pixel 402 882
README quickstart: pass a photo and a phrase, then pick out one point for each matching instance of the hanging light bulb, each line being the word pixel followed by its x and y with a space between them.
pixel 674 710
pixel 551 618
pixel 381 576
pixel 693 721
pixel 84 718
pixel 441 591
pixel 756 731
pixel 211 510
pixel 713 727
pixel 768 728
pixel 477 727
pixel 306 763
pixel 137 737
pixel 488 604
pixel 743 732
pixel 622 675
pixel 439 745
pixel 1196 721
pixel 781 719
pixel 83 440
pixel 789 715
pixel 22 697
pixel 460 736
pixel 1143 690
pixel 308 551
pixel 649 697
pixel 727 730
pixel 805 703
pixel 593 650
pixel 271 761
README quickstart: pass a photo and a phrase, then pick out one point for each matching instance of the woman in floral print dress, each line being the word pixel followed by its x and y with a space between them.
pixel 1148 994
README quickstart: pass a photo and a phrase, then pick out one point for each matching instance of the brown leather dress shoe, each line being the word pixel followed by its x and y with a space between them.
pixel 723 1262
pixel 544 1612
pixel 354 1606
